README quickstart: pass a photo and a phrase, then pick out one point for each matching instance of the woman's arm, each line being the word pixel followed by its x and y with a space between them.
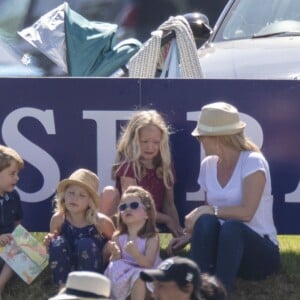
pixel 152 248
pixel 253 187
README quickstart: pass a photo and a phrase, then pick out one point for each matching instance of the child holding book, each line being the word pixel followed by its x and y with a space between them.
pixel 78 232
pixel 10 204
pixel 135 245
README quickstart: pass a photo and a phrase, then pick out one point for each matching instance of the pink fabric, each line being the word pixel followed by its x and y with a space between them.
pixel 124 272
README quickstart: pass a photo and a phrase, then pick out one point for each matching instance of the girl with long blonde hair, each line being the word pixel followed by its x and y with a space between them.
pixel 144 159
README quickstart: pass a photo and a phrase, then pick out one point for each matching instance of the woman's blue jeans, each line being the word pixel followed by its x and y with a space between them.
pixel 231 250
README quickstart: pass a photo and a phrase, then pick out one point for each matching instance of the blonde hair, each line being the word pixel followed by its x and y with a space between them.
pixel 238 142
pixel 149 229
pixel 7 155
pixel 128 149
pixel 60 206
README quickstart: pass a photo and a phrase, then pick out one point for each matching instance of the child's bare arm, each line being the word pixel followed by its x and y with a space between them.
pixel 152 248
pixel 169 208
pixel 55 228
pixel 56 223
pixel 126 182
pixel 105 225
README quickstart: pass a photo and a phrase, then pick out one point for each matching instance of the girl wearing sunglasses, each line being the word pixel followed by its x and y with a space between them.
pixel 134 246
pixel 144 159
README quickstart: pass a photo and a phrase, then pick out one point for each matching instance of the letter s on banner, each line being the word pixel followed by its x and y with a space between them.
pixel 31 152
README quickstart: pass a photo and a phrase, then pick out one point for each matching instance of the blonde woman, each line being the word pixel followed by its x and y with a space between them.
pixel 144 159
pixel 234 233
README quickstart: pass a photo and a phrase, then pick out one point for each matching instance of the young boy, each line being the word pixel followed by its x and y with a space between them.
pixel 10 205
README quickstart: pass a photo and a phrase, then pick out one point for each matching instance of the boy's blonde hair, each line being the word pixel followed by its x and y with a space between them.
pixel 7 155
pixel 149 229
pixel 128 149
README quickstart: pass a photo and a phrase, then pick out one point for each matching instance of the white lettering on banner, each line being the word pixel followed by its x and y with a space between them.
pixel 106 140
pixel 293 197
pixel 31 152
pixel 253 130
pixel 106 137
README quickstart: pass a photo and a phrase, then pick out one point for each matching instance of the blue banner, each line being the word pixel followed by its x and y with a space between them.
pixel 61 124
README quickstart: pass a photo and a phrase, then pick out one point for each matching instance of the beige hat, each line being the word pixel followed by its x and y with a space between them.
pixel 85 285
pixel 218 118
pixel 86 178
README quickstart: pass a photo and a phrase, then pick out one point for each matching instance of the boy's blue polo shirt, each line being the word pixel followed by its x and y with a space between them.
pixel 10 211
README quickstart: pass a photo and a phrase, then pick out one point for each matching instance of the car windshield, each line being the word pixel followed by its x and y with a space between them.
pixel 256 18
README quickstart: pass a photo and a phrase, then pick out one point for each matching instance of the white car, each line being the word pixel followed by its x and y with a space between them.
pixel 254 39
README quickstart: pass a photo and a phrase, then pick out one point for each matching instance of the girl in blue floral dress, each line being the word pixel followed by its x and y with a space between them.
pixel 78 232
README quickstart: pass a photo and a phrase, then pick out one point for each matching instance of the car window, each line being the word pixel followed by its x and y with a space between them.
pixel 136 19
pixel 251 18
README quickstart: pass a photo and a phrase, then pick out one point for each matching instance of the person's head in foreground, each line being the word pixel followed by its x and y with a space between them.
pixel 179 278
pixel 85 285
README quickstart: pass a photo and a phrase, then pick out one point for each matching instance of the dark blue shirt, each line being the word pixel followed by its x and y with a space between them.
pixel 10 211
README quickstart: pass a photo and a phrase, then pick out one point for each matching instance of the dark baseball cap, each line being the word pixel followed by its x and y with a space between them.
pixel 179 269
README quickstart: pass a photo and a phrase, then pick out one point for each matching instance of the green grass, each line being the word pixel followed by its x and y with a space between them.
pixel 284 285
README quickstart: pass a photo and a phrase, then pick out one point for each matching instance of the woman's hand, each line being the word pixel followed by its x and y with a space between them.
pixel 178 243
pixel 193 216
pixel 5 239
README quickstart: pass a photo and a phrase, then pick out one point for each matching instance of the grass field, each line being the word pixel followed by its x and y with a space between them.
pixel 284 285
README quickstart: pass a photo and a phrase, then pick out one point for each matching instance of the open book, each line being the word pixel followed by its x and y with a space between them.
pixel 25 254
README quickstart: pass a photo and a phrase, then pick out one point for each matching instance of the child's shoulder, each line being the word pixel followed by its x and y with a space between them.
pixel 104 220
pixel 58 217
